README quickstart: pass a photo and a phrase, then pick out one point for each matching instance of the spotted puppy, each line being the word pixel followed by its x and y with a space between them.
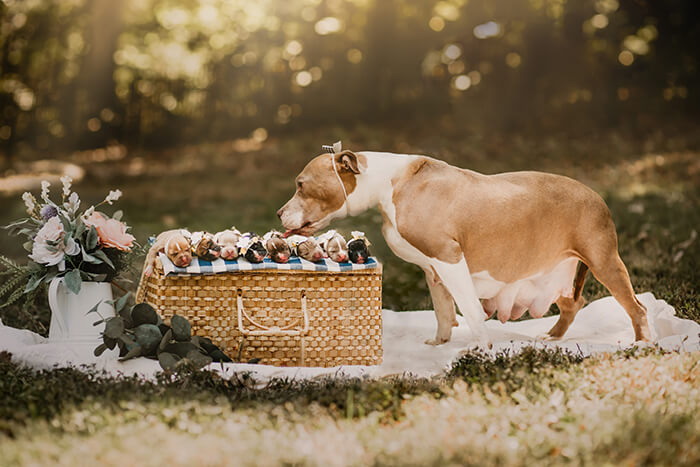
pixel 277 248
pixel 251 247
pixel 358 248
pixel 305 247
pixel 176 246
pixel 227 240
pixel 334 246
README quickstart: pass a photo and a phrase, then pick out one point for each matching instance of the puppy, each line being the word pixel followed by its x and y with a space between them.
pixel 305 247
pixel 334 246
pixel 176 246
pixel 358 250
pixel 205 247
pixel 251 247
pixel 276 247
pixel 227 239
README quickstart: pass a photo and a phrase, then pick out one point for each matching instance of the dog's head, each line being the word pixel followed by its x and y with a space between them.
pixel 177 248
pixel 276 247
pixel 358 251
pixel 227 240
pixel 334 246
pixel 319 197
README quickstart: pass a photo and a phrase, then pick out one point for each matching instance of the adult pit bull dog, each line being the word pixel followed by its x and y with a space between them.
pixel 512 240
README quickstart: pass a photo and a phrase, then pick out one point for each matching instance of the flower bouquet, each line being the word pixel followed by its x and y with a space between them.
pixel 66 243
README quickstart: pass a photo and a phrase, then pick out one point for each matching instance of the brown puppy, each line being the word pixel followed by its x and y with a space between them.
pixel 277 248
pixel 305 247
pixel 334 246
pixel 204 246
pixel 513 240
pixel 175 245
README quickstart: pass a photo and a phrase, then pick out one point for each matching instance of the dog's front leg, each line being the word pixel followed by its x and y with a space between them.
pixel 460 285
pixel 444 306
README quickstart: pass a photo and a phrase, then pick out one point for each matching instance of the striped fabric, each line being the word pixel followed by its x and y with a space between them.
pixel 200 266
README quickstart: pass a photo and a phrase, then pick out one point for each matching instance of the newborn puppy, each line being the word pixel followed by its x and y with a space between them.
pixel 227 239
pixel 205 247
pixel 334 246
pixel 175 244
pixel 305 247
pixel 277 248
pixel 251 247
pixel 358 248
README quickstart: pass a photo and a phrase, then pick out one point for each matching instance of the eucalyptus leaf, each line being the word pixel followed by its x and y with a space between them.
pixel 134 352
pixel 80 228
pixel 167 360
pixel 101 255
pixel 182 331
pixel 28 245
pixel 110 343
pixel 94 307
pixel 167 337
pixel 143 313
pixel 100 349
pixel 114 328
pixel 121 303
pixel 98 322
pixel 91 241
pixel 33 283
pixel 198 359
pixel 67 226
pixel 88 258
pixel 73 281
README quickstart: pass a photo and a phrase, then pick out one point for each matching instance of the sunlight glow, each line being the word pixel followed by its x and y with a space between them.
pixel 486 30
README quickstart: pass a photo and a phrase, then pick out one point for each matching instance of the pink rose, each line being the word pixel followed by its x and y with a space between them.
pixel 111 232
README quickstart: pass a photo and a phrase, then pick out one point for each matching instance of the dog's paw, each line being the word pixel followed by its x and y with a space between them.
pixel 437 341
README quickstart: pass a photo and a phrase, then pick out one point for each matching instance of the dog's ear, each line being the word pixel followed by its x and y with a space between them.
pixel 348 161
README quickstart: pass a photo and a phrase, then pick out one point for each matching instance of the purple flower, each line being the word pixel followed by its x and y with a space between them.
pixel 48 211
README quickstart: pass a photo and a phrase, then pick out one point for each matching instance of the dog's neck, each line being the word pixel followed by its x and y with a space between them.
pixel 374 186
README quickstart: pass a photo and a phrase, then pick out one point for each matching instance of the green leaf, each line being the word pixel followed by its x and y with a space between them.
pixel 99 349
pixel 114 328
pixel 67 226
pixel 33 283
pixel 79 228
pixel 167 360
pixel 87 257
pixel 118 215
pixel 94 307
pixel 73 281
pixel 28 245
pixel 198 359
pixel 91 241
pixel 182 331
pixel 135 351
pixel 101 255
pixel 167 337
pixel 121 303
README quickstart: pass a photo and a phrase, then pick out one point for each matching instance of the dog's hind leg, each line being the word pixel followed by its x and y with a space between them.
pixel 568 307
pixel 444 306
pixel 458 282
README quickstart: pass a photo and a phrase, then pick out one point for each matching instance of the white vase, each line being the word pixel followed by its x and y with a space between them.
pixel 70 322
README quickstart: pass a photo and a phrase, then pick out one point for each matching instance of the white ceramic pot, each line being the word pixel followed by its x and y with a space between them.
pixel 70 321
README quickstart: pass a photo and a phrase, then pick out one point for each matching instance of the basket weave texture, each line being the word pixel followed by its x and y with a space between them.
pixel 261 314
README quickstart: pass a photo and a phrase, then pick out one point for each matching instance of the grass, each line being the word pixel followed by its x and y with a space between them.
pixel 538 407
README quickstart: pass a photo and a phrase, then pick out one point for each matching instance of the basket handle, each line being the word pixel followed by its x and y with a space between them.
pixel 271 330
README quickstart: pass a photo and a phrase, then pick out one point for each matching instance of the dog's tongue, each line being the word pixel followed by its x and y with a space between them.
pixel 288 233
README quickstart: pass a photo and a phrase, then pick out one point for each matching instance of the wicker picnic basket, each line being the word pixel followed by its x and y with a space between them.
pixel 282 317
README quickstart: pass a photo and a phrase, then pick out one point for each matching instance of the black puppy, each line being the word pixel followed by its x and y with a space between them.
pixel 358 248
pixel 251 247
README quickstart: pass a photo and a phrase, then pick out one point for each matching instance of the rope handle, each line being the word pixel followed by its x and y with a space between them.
pixel 271 330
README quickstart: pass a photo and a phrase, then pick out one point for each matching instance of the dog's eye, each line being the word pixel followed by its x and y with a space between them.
pixel 300 185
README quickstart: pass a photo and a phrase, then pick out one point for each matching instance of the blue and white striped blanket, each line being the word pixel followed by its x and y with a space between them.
pixel 200 266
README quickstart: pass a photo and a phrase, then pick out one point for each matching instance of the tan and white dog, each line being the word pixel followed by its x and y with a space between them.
pixel 513 240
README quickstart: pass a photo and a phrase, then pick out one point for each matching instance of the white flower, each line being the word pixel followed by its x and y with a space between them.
pixel 89 212
pixel 113 196
pixel 67 182
pixel 29 201
pixel 54 252
pixel 72 204
pixel 45 190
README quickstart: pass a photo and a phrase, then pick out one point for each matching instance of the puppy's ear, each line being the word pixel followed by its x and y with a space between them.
pixel 348 161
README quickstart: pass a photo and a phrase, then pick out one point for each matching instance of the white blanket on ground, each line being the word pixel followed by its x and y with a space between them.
pixel 602 326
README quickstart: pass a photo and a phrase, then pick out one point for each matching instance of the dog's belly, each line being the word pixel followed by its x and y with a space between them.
pixel 535 293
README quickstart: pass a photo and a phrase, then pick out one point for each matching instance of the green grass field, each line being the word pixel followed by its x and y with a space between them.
pixel 633 408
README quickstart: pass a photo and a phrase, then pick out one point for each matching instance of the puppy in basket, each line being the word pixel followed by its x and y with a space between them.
pixel 305 247
pixel 358 248
pixel 251 247
pixel 204 246
pixel 276 247
pixel 334 246
pixel 227 240
pixel 176 246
